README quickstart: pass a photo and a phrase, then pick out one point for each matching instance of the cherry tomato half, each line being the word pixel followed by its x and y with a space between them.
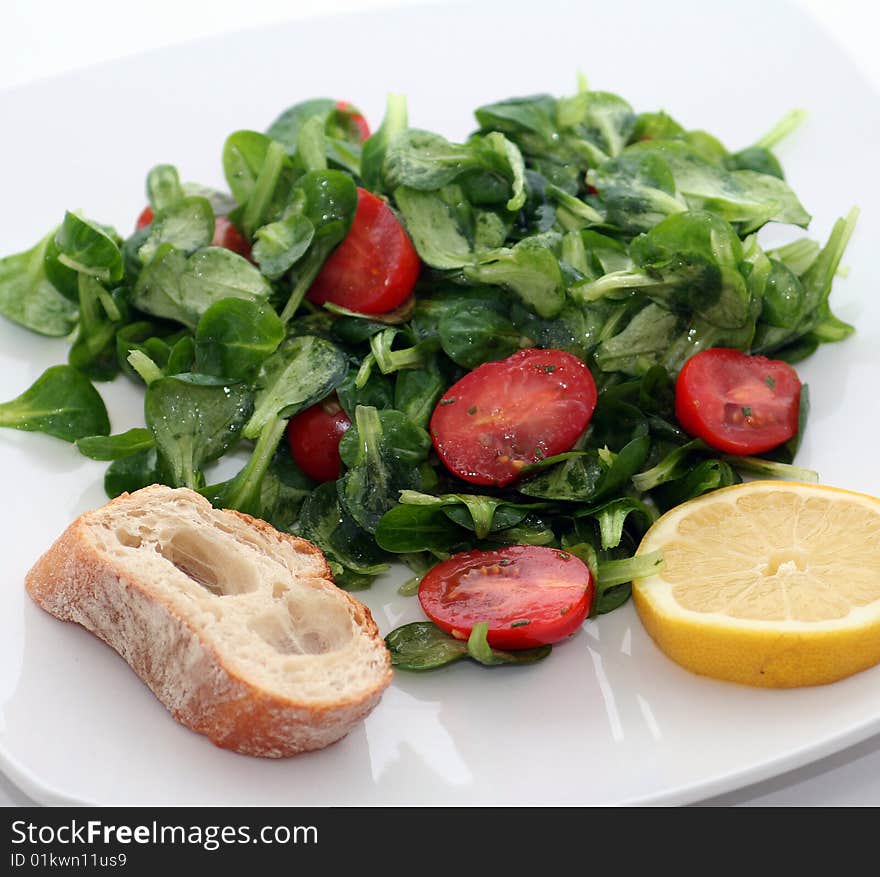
pixel 507 414
pixel 375 268
pixel 737 403
pixel 145 218
pixel 359 121
pixel 314 435
pixel 529 595
pixel 226 235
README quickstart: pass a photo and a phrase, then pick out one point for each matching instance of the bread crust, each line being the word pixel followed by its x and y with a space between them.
pixel 76 581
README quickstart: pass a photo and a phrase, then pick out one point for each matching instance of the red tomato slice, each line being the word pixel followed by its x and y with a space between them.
pixel 226 235
pixel 354 114
pixel 737 403
pixel 314 435
pixel 529 595
pixel 375 268
pixel 507 414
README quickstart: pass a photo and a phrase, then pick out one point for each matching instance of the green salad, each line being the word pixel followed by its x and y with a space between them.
pixel 537 340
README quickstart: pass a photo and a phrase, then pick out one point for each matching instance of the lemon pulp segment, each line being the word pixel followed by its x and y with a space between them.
pixel 767 583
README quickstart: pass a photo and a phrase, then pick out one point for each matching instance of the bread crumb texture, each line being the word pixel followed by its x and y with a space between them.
pixel 237 628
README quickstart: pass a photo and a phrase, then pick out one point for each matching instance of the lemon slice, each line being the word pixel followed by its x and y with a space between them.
pixel 767 583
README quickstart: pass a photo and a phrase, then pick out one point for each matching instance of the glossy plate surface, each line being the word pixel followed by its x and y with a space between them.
pixel 607 718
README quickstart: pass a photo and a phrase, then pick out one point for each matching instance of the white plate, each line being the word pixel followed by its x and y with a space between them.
pixel 607 718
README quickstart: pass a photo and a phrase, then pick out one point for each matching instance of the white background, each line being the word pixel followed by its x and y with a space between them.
pixel 41 38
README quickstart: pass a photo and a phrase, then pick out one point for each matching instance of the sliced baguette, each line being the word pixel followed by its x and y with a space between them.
pixel 237 629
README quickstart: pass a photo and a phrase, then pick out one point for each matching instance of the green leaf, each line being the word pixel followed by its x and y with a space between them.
pixel 318 132
pixel 815 325
pixel 287 127
pixel 376 391
pixel 62 402
pixel 64 279
pixel 755 158
pixel 115 447
pixel 405 529
pixel 216 273
pixel 533 116
pixel 612 515
pixel 638 191
pixel 311 148
pixel 675 464
pixel 529 270
pixel 591 477
pixel 326 522
pixel 187 224
pixel 88 248
pixel 422 645
pixel 517 168
pixel 163 187
pixel 784 297
pixel 601 118
pixel 425 161
pixel 302 371
pixel 101 314
pixel 283 490
pixel 818 278
pixel 280 245
pixel 745 197
pixel 704 477
pixel 28 298
pixel 771 469
pixel 416 392
pixel 402 438
pixel 378 470
pixel 376 145
pixel 798 255
pixel 328 199
pixel 178 288
pixel 656 126
pixel 181 356
pixel 574 480
pixel 245 491
pixel 271 189
pixel 792 446
pixel 641 344
pixel 471 335
pixel 696 256
pixel 434 228
pixel 193 420
pixel 779 203
pixel 152 340
pixel 234 337
pixel 158 290
pixel 244 154
pixel 480 514
pixel 131 473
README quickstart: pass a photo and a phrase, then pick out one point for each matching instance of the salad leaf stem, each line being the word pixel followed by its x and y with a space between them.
pixel 618 572
pixel 243 492
pixel 789 122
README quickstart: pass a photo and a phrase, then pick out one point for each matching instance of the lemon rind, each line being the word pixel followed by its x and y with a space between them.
pixel 767 653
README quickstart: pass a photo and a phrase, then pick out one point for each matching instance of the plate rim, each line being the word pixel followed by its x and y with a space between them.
pixel 45 793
